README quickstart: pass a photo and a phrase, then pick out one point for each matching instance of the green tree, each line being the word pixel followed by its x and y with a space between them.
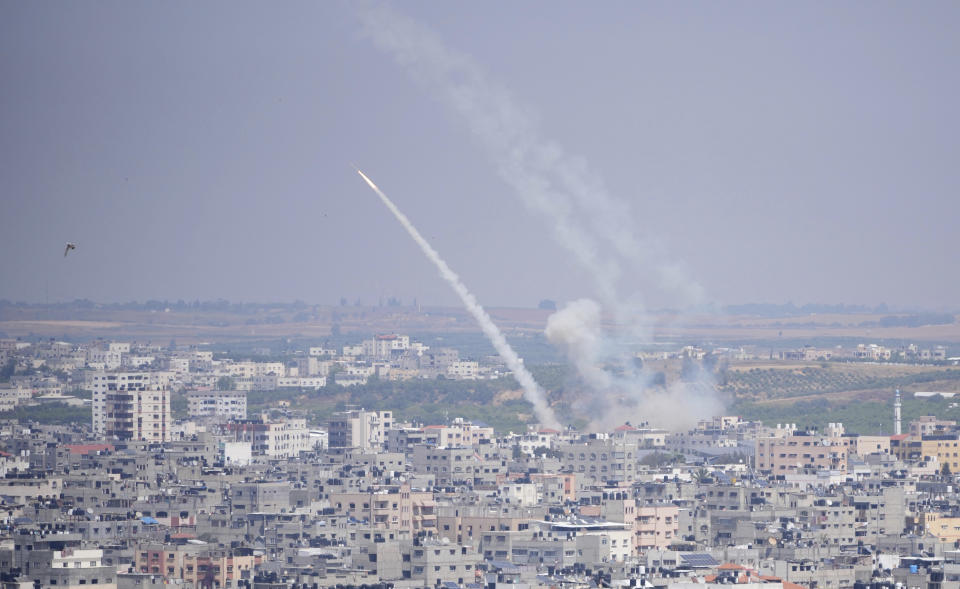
pixel 702 476
pixel 8 369
pixel 225 383
pixel 658 459
pixel 547 305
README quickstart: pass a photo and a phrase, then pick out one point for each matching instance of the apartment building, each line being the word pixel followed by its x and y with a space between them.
pixel 383 347
pixel 597 459
pixel 467 523
pixel 434 562
pixel 363 430
pixel 458 465
pixel 218 568
pixel 130 406
pixel 926 425
pixel 649 526
pixel 463 370
pixel 58 560
pixel 253 369
pixel 460 433
pixel 393 508
pixel 803 451
pixel 944 526
pixel 279 439
pixel 197 566
pixel 104 359
pixel 10 398
pixel 225 404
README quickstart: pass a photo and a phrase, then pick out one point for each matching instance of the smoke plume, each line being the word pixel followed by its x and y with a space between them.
pixel 616 388
pixel 531 390
pixel 597 230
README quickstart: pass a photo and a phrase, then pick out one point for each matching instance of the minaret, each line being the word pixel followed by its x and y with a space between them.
pixel 896 413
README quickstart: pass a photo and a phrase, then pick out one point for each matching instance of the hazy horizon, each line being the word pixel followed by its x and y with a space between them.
pixel 203 151
pixel 760 306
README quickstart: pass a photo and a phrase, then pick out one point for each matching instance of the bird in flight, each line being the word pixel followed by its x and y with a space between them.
pixel 70 246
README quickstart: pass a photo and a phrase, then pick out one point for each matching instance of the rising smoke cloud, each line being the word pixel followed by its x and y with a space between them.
pixel 596 229
pixel 616 389
pixel 531 390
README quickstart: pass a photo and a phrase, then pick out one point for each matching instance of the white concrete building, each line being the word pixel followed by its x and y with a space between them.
pixel 255 369
pixel 130 361
pixel 237 453
pixel 179 366
pixel 522 494
pixel 352 350
pixel 108 359
pixel 382 347
pixel 10 398
pixel 463 370
pixel 365 430
pixel 226 404
pixel 127 406
pixel 301 382
pixel 280 439
pixel 130 405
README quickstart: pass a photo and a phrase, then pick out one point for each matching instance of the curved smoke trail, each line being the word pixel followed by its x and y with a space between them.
pixel 531 390
pixel 597 229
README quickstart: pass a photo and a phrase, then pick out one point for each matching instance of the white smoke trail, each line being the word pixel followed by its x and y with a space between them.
pixel 531 390
pixel 597 229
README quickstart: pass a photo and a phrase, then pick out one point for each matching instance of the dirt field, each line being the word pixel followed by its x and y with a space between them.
pixel 317 321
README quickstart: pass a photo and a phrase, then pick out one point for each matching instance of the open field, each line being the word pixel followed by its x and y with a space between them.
pixel 236 322
pixel 771 382
pixel 865 416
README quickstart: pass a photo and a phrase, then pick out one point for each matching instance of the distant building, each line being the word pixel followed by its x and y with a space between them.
pixel 945 526
pixel 599 459
pixel 130 406
pixel 391 508
pixel 225 404
pixel 10 398
pixel 383 347
pixel 363 430
pixel 279 439
pixel 926 425
pixel 872 352
pixel 459 433
pixel 800 451
pixel 57 560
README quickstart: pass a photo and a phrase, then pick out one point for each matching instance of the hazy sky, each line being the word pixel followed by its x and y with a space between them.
pixel 777 151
